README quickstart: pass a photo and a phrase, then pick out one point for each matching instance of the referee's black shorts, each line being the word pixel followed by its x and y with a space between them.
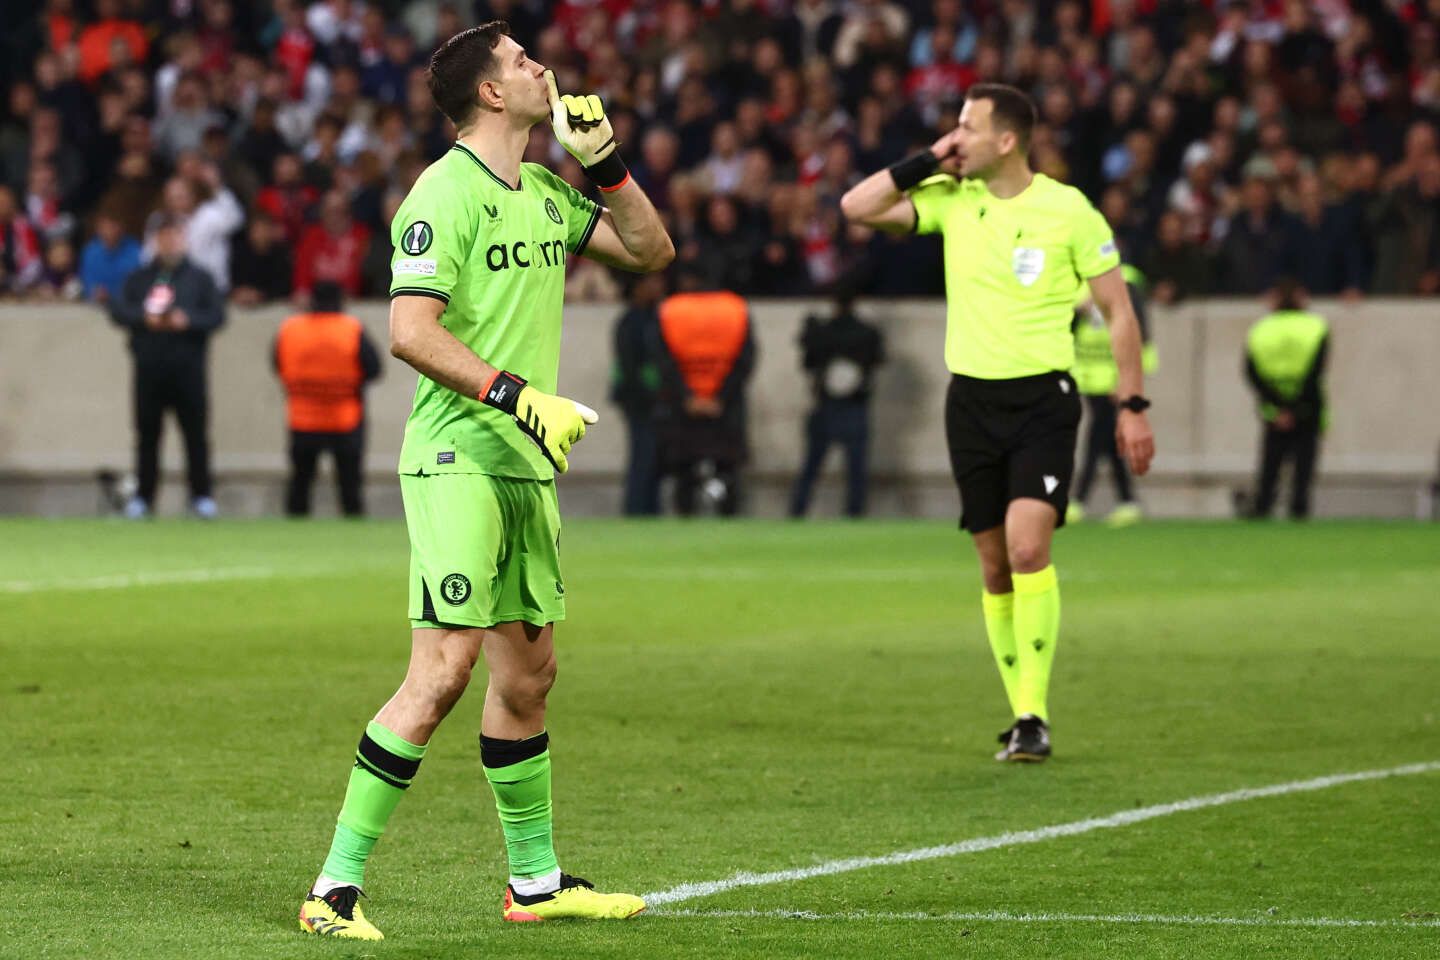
pixel 1010 439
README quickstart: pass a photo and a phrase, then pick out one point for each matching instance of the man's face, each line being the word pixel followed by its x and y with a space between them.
pixel 170 243
pixel 521 82
pixel 335 213
pixel 981 146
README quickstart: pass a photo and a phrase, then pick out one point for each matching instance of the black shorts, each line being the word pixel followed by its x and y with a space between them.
pixel 1011 439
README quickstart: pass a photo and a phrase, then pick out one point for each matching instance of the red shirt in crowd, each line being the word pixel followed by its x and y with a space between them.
pixel 95 43
pixel 325 256
pixel 288 206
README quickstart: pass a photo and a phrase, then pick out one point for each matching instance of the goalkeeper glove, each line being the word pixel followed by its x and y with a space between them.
pixel 583 129
pixel 553 424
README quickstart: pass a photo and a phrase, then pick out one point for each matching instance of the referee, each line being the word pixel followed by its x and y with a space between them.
pixel 1018 246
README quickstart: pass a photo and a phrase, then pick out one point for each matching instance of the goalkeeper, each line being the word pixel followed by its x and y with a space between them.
pixel 477 285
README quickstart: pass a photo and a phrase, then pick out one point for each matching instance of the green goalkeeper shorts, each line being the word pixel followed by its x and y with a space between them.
pixel 483 550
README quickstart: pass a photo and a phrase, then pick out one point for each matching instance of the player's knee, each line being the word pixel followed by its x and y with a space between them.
pixel 448 680
pixel 1029 557
pixel 524 694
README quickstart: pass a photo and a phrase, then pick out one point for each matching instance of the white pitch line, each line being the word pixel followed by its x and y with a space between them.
pixel 1004 916
pixel 124 581
pixel 706 888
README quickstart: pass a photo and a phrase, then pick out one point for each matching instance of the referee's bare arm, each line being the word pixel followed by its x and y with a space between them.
pixel 877 202
pixel 1132 430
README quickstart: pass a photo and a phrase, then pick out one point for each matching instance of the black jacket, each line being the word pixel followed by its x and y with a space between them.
pixel 195 293
pixel 844 338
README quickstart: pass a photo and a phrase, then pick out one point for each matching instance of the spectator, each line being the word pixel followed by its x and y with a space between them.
pixel 261 263
pixel 1406 223
pixel 1328 251
pixel 840 353
pixel 1134 96
pixel 332 249
pixel 261 140
pixel 21 261
pixel 45 143
pixel 727 250
pixel 385 79
pixel 170 308
pixel 44 207
pixel 97 43
pixel 287 198
pixel 949 16
pixel 134 192
pixel 1259 245
pixel 109 257
pixel 59 280
pixel 324 359
pixel 208 221
pixel 189 115
pixel 1176 268
pixel 708 356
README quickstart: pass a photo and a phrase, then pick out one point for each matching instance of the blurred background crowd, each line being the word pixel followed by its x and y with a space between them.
pixel 1229 143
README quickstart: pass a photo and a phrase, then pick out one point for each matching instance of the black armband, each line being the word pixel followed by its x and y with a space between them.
pixel 503 392
pixel 914 168
pixel 610 173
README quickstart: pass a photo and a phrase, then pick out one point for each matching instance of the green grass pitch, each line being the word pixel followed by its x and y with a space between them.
pixel 179 704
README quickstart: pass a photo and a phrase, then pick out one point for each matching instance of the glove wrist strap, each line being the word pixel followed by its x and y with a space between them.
pixel 609 174
pixel 914 168
pixel 503 391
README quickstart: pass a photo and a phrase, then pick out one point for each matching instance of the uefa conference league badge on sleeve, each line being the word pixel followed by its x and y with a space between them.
pixel 413 242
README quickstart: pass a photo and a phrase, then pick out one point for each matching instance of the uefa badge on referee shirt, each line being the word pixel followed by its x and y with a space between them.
pixel 1027 262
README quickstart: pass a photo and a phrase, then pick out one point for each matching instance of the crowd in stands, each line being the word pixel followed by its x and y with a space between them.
pixel 1229 143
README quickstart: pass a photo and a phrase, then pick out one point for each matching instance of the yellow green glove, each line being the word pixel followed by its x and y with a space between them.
pixel 553 424
pixel 583 129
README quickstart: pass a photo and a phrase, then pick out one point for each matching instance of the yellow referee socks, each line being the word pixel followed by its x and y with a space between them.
pixel 1037 629
pixel 1000 627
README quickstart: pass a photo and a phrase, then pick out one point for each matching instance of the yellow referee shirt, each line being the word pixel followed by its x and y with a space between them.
pixel 1012 271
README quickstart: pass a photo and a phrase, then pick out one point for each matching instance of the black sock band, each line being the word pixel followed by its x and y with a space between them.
pixel 495 754
pixel 392 768
pixel 914 168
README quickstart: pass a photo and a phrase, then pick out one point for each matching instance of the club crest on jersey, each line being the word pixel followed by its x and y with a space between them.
pixel 552 211
pixel 417 238
pixel 1027 263
pixel 455 589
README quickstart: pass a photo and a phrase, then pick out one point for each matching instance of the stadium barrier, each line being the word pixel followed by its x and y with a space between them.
pixel 65 379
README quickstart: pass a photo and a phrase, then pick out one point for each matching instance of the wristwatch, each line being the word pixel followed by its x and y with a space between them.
pixel 1135 404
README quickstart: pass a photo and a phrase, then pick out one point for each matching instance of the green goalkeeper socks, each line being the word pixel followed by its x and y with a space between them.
pixel 1000 627
pixel 1037 629
pixel 384 767
pixel 519 775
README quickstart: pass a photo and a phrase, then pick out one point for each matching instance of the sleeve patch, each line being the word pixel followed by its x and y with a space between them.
pixel 425 268
pixel 1107 249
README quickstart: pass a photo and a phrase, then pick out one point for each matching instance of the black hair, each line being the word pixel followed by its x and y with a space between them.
pixel 327 297
pixel 1289 294
pixel 457 68
pixel 1012 109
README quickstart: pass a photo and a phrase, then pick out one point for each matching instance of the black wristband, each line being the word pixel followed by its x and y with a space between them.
pixel 608 173
pixel 914 168
pixel 1134 403
pixel 503 392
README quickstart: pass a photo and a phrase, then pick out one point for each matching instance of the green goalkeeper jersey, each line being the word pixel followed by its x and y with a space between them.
pixel 495 255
